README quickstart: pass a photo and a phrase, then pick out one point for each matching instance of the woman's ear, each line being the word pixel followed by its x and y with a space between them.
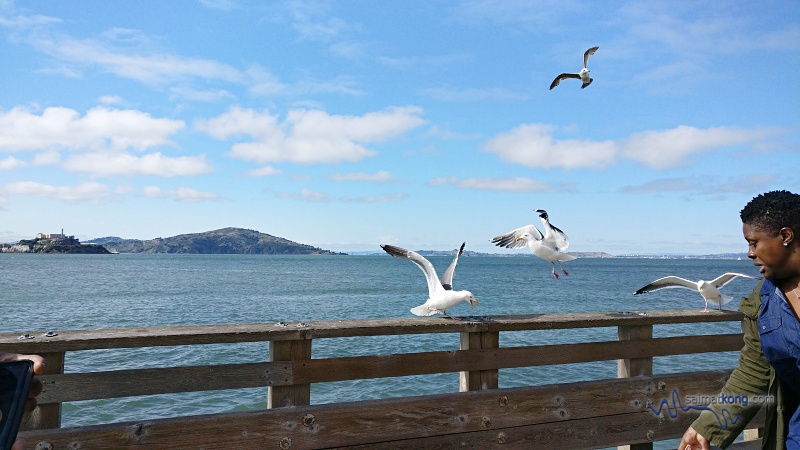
pixel 787 236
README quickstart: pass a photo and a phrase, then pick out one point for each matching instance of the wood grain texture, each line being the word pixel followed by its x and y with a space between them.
pixel 572 415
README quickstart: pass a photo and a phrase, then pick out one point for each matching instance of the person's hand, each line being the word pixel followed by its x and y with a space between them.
pixel 39 364
pixel 692 440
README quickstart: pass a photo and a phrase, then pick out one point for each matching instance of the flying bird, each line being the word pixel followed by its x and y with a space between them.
pixel 708 289
pixel 440 293
pixel 549 247
pixel 583 75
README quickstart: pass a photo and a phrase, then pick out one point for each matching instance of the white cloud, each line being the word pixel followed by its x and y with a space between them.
pixel 517 184
pixel 151 68
pixel 110 99
pixel 703 186
pixel 47 158
pixel 670 148
pixel 305 195
pixel 64 128
pixel 90 191
pixel 180 194
pixel 153 164
pixel 532 145
pixel 381 176
pixel 266 171
pixel 198 95
pixel 23 22
pixel 11 163
pixel 308 136
pixel 385 198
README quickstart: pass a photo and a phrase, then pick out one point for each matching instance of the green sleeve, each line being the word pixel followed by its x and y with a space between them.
pixel 750 377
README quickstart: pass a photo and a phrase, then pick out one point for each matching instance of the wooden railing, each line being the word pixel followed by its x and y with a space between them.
pixel 595 414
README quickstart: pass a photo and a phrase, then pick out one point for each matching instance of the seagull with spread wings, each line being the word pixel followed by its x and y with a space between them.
pixel 709 290
pixel 440 292
pixel 549 247
pixel 583 75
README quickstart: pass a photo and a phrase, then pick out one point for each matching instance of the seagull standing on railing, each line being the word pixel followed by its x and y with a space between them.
pixel 440 293
pixel 708 289
pixel 549 246
pixel 583 75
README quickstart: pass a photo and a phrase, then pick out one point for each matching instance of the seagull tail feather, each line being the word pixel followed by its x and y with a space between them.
pixel 422 310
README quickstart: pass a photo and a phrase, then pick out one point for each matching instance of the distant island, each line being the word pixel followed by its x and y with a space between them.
pixel 225 241
pixel 53 243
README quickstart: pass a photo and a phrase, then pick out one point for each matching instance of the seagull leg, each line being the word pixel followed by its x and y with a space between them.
pixel 562 268
pixel 444 313
pixel 706 310
pixel 554 269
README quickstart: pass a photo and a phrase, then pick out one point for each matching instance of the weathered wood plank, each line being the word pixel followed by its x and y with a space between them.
pixel 340 369
pixel 73 340
pixel 47 414
pixel 479 379
pixel 111 384
pixel 298 393
pixel 596 405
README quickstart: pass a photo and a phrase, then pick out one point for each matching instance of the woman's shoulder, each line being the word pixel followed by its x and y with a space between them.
pixel 751 305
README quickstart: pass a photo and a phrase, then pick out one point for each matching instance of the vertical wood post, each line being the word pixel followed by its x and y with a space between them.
pixel 477 380
pixel 48 415
pixel 632 367
pixel 295 394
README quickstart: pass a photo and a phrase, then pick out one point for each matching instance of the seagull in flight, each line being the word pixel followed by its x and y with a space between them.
pixel 440 292
pixel 549 246
pixel 583 75
pixel 708 289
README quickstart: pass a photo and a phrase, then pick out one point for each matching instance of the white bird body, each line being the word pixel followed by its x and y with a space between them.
pixel 440 292
pixel 583 75
pixel 549 247
pixel 709 290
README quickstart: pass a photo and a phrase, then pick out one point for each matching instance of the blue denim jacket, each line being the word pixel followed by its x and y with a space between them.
pixel 780 342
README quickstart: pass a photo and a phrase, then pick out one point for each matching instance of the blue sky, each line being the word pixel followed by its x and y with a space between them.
pixel 423 124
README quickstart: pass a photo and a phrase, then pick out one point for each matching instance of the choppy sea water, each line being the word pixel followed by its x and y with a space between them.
pixel 59 292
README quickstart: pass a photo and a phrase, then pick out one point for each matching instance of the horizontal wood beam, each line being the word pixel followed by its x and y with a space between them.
pixel 111 384
pixel 612 412
pixel 74 340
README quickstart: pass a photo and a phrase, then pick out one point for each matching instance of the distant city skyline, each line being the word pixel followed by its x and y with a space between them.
pixel 347 125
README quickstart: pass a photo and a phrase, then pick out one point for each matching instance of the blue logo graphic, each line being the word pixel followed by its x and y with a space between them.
pixel 724 417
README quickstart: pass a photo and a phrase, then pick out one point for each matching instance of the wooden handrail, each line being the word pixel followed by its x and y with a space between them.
pixel 289 370
pixel 73 340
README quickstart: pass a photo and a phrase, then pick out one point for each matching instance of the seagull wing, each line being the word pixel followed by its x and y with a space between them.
pixel 554 237
pixel 447 278
pixel 434 286
pixel 726 278
pixel 562 77
pixel 587 54
pixel 666 283
pixel 509 240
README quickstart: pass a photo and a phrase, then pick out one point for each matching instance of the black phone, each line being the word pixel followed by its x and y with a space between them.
pixel 15 385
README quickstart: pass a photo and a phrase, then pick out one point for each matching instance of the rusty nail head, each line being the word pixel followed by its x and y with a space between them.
pixel 503 400
pixel 486 422
pixel 308 420
pixel 285 443
pixel 501 438
pixel 44 445
pixel 651 435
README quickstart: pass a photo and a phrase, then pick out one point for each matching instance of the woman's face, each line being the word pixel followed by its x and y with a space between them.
pixel 767 251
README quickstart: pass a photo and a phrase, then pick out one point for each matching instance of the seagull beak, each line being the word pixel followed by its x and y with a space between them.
pixel 518 239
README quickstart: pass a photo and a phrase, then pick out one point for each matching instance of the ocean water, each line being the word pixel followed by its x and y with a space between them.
pixel 59 292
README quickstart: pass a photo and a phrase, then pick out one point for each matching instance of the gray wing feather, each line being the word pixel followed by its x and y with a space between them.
pixel 667 283
pixel 587 54
pixel 447 278
pixel 509 240
pixel 427 268
pixel 726 278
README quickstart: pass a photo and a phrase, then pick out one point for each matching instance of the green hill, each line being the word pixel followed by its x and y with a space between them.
pixel 226 241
